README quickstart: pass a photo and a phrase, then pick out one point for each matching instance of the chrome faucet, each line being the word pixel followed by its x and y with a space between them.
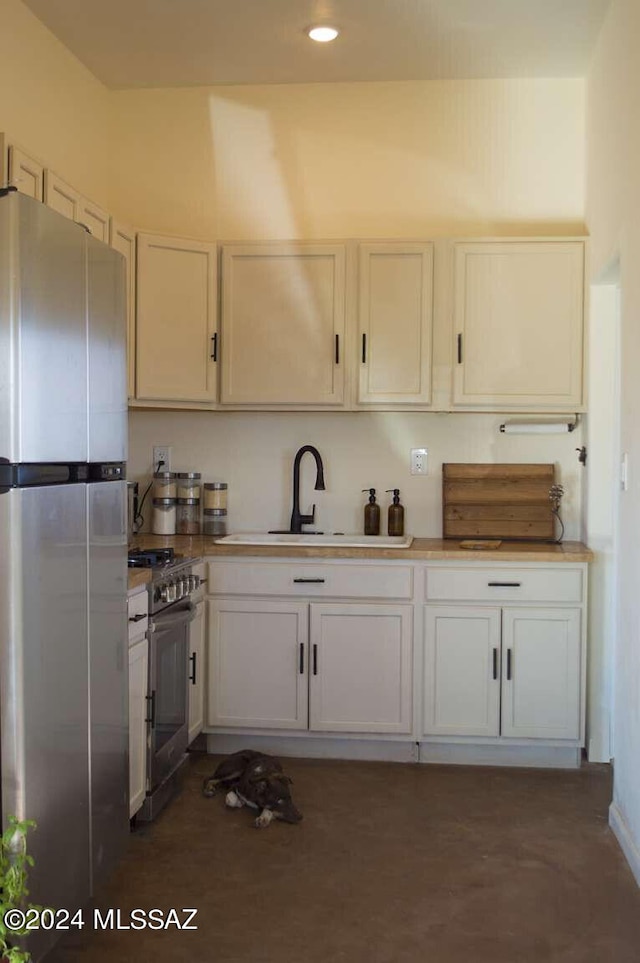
pixel 298 520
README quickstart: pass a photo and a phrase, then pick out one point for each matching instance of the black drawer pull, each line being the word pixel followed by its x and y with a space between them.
pixel 138 618
pixel 214 347
pixel 337 349
pixel 495 663
pixel 192 674
pixel 504 584
pixel 315 659
pixel 151 719
pixel 508 665
pixel 364 349
pixel 459 349
pixel 302 658
pixel 309 581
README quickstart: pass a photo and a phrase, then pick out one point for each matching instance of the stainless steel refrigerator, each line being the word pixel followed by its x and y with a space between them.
pixel 63 639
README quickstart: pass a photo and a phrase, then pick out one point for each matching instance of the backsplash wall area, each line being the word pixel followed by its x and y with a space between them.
pixel 253 452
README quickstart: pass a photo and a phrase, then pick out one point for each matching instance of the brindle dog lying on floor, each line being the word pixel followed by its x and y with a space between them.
pixel 254 779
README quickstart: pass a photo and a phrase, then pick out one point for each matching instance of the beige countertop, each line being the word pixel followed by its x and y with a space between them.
pixel 422 549
pixel 138 577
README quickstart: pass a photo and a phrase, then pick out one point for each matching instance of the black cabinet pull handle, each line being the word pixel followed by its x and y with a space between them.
pixel 309 581
pixel 138 618
pixel 495 663
pixel 459 349
pixel 508 665
pixel 315 659
pixel 192 674
pixel 337 349
pixel 214 347
pixel 364 349
pixel 504 584
pixel 151 718
pixel 302 658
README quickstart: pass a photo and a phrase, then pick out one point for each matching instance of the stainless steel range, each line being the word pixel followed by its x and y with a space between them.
pixel 171 610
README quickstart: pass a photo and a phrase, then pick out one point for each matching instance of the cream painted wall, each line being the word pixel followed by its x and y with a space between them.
pixel 253 453
pixel 51 105
pixel 613 218
pixel 350 160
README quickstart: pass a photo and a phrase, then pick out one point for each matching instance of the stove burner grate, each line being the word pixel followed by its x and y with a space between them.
pixel 150 557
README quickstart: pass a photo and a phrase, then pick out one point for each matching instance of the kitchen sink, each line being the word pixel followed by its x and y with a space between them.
pixel 317 538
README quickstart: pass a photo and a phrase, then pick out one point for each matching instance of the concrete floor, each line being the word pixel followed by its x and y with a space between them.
pixel 392 864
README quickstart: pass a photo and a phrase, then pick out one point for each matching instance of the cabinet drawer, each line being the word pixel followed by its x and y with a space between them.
pixel 504 584
pixel 137 612
pixel 308 579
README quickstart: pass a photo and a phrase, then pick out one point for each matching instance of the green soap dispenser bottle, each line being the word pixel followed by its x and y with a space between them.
pixel 395 524
pixel 371 514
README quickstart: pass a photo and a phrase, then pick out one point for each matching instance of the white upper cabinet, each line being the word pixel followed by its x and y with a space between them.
pixel 123 239
pixel 176 337
pixel 60 196
pixel 518 325
pixel 66 200
pixel 283 319
pixel 25 173
pixel 94 218
pixel 395 309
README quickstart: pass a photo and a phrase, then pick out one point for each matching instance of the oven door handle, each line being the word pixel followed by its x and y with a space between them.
pixel 162 622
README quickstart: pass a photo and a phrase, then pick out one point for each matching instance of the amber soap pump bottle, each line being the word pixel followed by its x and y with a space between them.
pixel 395 523
pixel 371 514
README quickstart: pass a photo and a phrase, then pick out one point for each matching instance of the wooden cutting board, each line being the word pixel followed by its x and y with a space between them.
pixel 497 501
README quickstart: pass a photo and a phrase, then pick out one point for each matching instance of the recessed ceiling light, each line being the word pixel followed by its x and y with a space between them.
pixel 322 34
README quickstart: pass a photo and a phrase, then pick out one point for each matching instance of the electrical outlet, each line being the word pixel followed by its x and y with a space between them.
pixel 162 453
pixel 419 461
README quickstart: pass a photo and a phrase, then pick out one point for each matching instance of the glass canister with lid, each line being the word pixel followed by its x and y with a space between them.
pixel 188 516
pixel 215 496
pixel 163 521
pixel 164 484
pixel 214 522
pixel 188 484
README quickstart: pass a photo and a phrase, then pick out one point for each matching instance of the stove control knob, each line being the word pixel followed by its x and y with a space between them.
pixel 181 588
pixel 163 593
pixel 196 581
pixel 191 581
pixel 171 592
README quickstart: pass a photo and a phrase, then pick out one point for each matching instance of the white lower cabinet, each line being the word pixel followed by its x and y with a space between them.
pixel 461 680
pixel 257 663
pixel 138 685
pixel 360 672
pixel 138 620
pixel 511 672
pixel 541 673
pixel 473 662
pixel 327 667
pixel 196 672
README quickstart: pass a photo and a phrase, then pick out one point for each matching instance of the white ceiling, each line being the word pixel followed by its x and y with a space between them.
pixel 170 43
